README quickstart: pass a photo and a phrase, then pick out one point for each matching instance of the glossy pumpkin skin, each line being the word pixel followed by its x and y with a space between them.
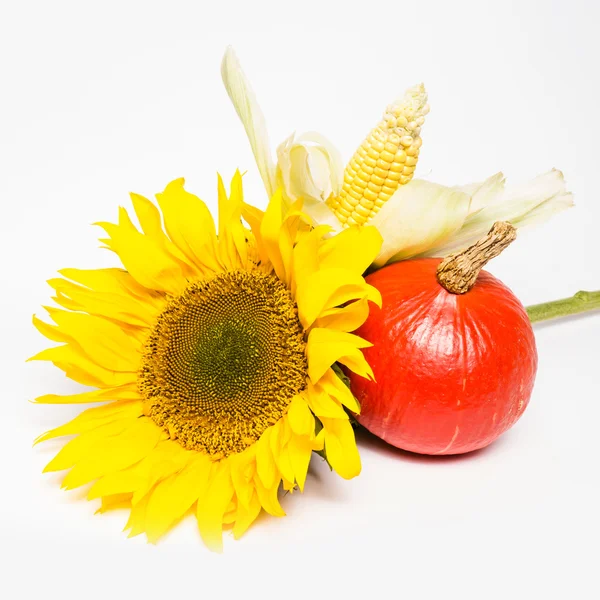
pixel 453 372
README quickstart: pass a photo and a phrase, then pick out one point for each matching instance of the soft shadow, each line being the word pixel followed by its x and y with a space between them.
pixel 314 468
pixel 318 482
pixel 366 439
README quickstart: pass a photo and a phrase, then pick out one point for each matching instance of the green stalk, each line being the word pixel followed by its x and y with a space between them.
pixel 579 303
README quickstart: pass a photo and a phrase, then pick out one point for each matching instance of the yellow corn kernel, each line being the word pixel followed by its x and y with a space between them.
pixel 346 208
pixel 363 176
pixel 371 195
pixel 387 156
pixel 385 160
pixel 353 198
pixel 362 212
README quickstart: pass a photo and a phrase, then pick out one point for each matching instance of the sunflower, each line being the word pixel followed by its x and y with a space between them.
pixel 213 353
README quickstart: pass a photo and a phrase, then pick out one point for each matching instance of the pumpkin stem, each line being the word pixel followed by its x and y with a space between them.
pixel 458 272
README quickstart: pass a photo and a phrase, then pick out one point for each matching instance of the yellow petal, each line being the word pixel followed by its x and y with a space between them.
pixel 83 370
pixel 114 502
pixel 353 249
pixel 243 469
pixel 126 481
pixel 94 417
pixel 299 417
pixel 246 515
pixel 124 392
pixel 239 233
pixel 326 346
pixel 306 255
pixel 340 446
pixel 115 453
pixel 328 288
pixel 296 220
pixel 123 308
pixel 282 459
pixel 356 362
pixel 288 486
pixel 137 518
pixel 287 239
pixel 268 498
pixel 253 216
pixel 79 447
pixel 347 318
pixel 144 257
pixel 190 225
pixel 270 234
pixel 52 332
pixel 166 459
pixel 232 234
pixel 265 463
pixel 300 450
pixel 151 223
pixel 419 216
pixel 332 385
pixel 138 479
pixel 212 506
pixel 111 293
pixel 172 497
pixel 149 217
pixel 102 341
pixel 230 512
pixel 322 404
pixel 110 281
pixel 280 435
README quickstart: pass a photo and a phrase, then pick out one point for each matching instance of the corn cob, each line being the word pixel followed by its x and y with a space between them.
pixel 385 160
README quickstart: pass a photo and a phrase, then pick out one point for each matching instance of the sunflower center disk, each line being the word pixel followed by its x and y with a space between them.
pixel 224 361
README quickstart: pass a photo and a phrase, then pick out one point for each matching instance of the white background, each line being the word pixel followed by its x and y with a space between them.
pixel 100 98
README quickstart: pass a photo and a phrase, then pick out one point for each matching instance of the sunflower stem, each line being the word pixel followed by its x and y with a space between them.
pixel 580 302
